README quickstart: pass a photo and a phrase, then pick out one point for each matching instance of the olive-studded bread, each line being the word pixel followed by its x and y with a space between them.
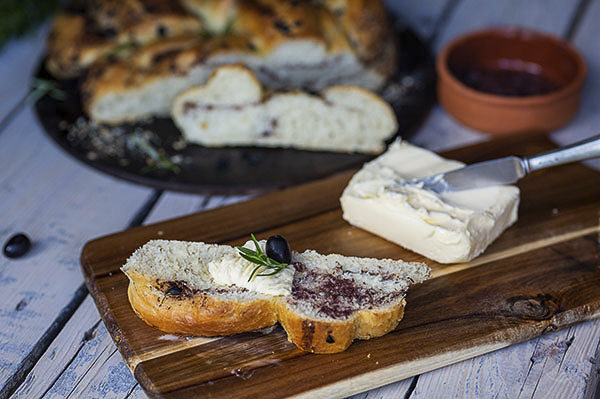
pixel 111 29
pixel 323 302
pixel 233 109
pixel 308 44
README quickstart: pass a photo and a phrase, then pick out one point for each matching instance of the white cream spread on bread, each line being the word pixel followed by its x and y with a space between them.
pixel 450 227
pixel 235 270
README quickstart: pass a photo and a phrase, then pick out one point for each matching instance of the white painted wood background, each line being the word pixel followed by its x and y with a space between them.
pixel 52 342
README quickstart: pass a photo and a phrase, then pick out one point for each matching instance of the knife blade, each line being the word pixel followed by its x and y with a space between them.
pixel 484 174
pixel 507 170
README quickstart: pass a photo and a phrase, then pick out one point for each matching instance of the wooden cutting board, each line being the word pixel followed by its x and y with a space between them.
pixel 542 274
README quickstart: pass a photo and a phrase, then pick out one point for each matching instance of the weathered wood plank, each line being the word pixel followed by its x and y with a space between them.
pixel 82 362
pixel 77 333
pixel 137 393
pixel 18 60
pixel 65 374
pixel 173 204
pixel 561 367
pixel 587 122
pixel 593 382
pixel 553 365
pixel 396 390
pixel 59 204
pixel 98 372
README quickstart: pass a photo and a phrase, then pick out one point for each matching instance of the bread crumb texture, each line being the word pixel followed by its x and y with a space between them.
pixel 332 299
pixel 232 108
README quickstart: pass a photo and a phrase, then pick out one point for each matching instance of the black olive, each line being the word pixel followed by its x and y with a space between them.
pixel 161 31
pixel 278 249
pixel 17 246
pixel 174 291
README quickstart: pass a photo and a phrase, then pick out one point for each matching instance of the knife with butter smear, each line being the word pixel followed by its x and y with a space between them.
pixel 507 170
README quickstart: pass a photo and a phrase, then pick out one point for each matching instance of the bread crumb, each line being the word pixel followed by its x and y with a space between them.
pixel 169 337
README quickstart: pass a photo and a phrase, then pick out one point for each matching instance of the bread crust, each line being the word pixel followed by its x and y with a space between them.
pixel 160 61
pixel 325 336
pixel 357 28
pixel 332 299
pixel 69 50
pixel 199 313
pixel 78 40
pixel 203 314
pixel 365 23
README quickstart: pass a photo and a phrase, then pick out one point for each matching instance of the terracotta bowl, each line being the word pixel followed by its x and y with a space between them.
pixel 510 80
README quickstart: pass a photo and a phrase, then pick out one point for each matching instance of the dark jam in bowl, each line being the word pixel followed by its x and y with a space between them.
pixel 504 81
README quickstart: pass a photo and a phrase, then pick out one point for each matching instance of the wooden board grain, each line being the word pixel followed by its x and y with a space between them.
pixel 540 275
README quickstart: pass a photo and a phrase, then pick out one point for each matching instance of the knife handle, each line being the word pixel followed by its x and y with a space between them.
pixel 582 150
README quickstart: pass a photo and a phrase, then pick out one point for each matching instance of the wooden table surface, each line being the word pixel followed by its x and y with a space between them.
pixel 52 342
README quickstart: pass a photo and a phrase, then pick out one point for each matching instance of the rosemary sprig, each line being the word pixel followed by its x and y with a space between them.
pixel 161 161
pixel 229 27
pixel 42 87
pixel 261 259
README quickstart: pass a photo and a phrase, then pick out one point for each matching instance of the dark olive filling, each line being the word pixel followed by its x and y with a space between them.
pixel 178 289
pixel 335 296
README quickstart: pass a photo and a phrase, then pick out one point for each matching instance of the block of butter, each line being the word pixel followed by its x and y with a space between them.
pixel 448 228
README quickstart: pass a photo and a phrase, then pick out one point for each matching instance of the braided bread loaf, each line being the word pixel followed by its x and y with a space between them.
pixel 141 54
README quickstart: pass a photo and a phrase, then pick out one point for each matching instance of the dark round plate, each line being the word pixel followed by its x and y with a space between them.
pixel 129 151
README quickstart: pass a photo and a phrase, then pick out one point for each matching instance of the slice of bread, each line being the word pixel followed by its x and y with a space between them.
pixel 334 299
pixel 233 109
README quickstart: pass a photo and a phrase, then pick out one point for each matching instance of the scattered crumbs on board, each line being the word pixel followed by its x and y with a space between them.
pixel 169 337
pixel 118 142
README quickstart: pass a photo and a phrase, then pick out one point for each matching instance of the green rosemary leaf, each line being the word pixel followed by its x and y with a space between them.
pixel 162 162
pixel 254 271
pixel 245 250
pixel 43 87
pixel 251 259
pixel 258 257
pixel 168 164
pixel 58 94
pixel 119 49
pixel 229 27
pixel 274 272
pixel 258 250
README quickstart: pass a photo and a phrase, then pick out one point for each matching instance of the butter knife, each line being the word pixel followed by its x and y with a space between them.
pixel 509 169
